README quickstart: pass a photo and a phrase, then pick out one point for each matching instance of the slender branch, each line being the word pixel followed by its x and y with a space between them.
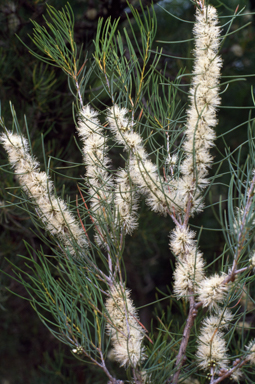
pixel 74 341
pixel 136 377
pixel 176 222
pixel 77 82
pixel 212 375
pixel 103 366
pixel 241 270
pixel 79 92
pixel 191 316
pixel 180 359
pixel 230 371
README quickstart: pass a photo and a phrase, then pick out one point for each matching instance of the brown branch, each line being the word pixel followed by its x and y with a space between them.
pixel 137 377
pixel 229 372
pixel 103 366
pixel 180 359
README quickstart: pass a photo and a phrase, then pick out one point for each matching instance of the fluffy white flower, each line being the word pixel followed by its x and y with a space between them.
pixel 88 123
pixel 142 171
pixel 212 350
pixel 182 241
pixel 251 350
pixel 188 274
pixel 124 328
pixel 126 201
pixel 204 98
pixel 186 188
pixel 211 291
pixel 118 120
pixel 220 320
pixel 95 155
pixel 53 212
pixel 211 345
pixel 112 199
pixel 94 145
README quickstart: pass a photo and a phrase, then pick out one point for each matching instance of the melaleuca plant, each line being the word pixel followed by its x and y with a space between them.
pixel 166 158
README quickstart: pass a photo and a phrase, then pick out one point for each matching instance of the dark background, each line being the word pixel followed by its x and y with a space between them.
pixel 28 352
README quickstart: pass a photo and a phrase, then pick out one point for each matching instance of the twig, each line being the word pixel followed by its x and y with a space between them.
pixel 137 379
pixel 103 366
pixel 230 371
pixel 77 83
pixel 185 339
pixel 212 375
pixel 241 270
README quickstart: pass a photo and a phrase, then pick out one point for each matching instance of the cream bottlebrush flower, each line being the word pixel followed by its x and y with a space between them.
pixel 53 212
pixel 188 274
pixel 212 350
pixel 251 351
pixel 106 193
pixel 95 149
pixel 142 171
pixel 204 98
pixel 211 291
pixel 185 190
pixel 120 124
pixel 189 271
pixel 97 163
pixel 220 320
pixel 239 217
pixel 126 202
pixel 182 241
pixel 123 327
pixel 158 193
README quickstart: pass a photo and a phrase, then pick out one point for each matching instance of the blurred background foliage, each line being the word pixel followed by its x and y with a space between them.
pixel 28 352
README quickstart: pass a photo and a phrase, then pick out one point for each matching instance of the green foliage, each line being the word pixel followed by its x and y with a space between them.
pixel 68 293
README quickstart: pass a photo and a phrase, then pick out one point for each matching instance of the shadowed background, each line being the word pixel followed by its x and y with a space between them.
pixel 28 352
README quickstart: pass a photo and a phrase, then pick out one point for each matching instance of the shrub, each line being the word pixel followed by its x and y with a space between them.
pixel 80 290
